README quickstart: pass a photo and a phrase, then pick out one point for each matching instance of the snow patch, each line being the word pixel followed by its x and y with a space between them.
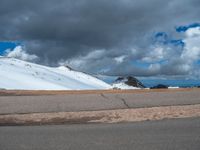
pixel 123 86
pixel 173 87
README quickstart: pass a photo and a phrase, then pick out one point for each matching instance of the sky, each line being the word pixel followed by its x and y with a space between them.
pixel 111 37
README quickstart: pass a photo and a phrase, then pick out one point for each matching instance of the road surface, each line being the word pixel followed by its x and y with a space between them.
pixel 97 101
pixel 179 134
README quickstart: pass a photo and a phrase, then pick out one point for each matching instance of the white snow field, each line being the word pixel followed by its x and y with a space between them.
pixel 123 86
pixel 21 75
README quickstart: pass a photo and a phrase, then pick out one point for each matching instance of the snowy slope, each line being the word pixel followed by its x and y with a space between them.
pixel 17 74
pixel 123 86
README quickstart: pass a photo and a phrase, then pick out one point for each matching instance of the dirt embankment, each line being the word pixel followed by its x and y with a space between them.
pixel 106 116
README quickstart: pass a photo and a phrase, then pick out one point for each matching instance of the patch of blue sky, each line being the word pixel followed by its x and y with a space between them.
pixel 7 45
pixel 164 39
pixel 162 62
pixel 161 34
pixel 197 62
pixel 185 28
pixel 178 42
pixel 161 38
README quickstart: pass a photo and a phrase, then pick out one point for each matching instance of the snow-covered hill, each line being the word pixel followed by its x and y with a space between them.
pixel 18 74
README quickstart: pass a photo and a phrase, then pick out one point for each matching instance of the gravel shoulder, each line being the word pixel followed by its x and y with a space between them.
pixel 106 116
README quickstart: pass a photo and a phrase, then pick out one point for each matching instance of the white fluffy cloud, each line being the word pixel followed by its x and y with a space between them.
pixel 191 51
pixel 166 59
pixel 120 59
pixel 86 61
pixel 187 62
pixel 19 53
pixel 156 54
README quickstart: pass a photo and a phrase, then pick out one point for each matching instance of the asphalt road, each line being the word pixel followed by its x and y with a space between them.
pixel 179 134
pixel 98 101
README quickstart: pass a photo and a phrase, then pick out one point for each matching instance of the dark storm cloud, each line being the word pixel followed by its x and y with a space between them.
pixel 58 30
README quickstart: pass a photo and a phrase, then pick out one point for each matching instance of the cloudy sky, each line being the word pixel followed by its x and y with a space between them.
pixel 146 38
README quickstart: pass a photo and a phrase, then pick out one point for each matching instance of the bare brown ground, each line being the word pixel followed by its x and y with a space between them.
pixel 47 92
pixel 108 116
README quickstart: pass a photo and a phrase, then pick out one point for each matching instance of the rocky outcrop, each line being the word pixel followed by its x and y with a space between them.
pixel 160 86
pixel 130 81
